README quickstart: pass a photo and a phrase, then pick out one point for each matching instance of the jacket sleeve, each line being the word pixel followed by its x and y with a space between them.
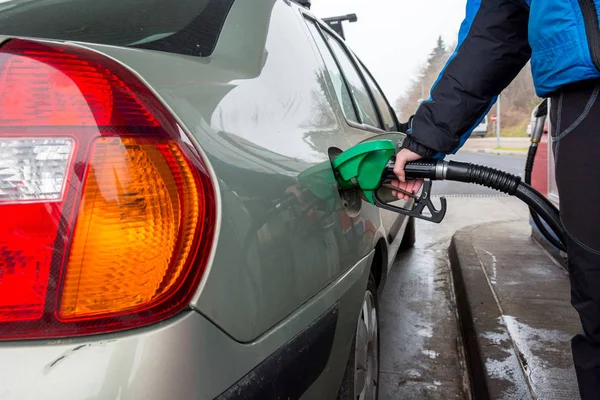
pixel 492 49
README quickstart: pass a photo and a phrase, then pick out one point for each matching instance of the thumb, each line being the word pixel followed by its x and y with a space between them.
pixel 399 167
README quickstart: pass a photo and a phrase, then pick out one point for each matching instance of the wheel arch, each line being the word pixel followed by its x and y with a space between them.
pixel 379 263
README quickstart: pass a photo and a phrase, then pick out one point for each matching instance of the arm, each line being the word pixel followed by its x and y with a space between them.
pixel 493 47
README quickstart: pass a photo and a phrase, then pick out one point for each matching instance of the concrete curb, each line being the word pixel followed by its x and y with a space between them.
pixel 485 336
pixel 497 152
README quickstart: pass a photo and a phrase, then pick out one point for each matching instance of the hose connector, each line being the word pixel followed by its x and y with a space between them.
pixel 426 169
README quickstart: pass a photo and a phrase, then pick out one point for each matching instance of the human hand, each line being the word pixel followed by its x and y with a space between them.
pixel 412 186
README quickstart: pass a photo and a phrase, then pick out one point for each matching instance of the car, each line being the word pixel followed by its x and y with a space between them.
pixel 531 124
pixel 172 227
pixel 481 129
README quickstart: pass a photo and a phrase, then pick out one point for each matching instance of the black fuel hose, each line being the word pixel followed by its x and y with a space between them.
pixel 485 176
pixel 529 162
pixel 540 113
pixel 534 215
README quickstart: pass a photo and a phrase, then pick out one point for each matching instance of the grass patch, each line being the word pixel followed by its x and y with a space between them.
pixel 519 130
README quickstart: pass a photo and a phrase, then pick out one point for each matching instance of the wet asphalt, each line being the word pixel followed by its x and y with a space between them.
pixel 421 350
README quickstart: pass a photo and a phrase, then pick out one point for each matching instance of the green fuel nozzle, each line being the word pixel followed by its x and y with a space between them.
pixel 363 166
pixel 369 166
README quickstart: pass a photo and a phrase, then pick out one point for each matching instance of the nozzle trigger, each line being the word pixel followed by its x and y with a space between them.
pixel 424 200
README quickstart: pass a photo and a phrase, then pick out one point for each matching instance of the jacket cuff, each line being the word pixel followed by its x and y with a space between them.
pixel 412 145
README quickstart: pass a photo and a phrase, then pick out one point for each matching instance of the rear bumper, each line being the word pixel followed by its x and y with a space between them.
pixel 188 357
pixel 185 358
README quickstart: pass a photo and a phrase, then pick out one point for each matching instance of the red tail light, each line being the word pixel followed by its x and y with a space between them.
pixel 107 212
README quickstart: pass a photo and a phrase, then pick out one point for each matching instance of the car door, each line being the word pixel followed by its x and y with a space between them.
pixel 367 114
pixel 284 235
pixel 392 222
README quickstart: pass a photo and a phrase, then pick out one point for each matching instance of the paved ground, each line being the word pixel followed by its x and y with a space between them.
pixel 518 337
pixel 421 350
pixel 524 321
pixel 490 143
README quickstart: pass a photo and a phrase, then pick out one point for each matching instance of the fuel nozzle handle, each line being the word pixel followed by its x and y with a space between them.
pixel 439 170
pixel 422 169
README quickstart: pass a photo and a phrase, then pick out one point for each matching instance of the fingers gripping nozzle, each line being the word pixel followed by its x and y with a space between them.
pixel 425 169
pixel 422 204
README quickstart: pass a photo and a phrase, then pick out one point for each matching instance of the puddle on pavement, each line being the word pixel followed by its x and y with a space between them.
pixel 544 354
pixel 507 370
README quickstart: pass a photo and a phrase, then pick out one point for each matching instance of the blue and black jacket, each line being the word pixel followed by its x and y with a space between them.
pixel 496 39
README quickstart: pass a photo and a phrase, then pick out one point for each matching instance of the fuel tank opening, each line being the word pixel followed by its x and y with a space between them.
pixel 351 196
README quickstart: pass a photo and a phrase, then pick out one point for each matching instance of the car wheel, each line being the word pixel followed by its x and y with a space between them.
pixel 410 235
pixel 361 379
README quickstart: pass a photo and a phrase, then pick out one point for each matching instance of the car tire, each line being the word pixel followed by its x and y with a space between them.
pixel 361 378
pixel 410 235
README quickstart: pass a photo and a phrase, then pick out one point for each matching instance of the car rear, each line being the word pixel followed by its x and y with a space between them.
pixel 109 218
pixel 112 214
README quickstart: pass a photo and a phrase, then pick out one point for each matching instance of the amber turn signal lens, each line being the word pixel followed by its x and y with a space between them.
pixel 108 210
pixel 135 229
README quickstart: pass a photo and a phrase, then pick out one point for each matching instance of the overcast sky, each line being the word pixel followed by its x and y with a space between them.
pixel 394 37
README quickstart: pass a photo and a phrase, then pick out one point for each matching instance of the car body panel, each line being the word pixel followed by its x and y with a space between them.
pixel 183 358
pixel 279 243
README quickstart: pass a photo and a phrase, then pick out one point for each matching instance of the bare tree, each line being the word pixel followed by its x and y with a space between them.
pixel 518 98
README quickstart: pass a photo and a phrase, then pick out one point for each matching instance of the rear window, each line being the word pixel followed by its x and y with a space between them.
pixel 188 27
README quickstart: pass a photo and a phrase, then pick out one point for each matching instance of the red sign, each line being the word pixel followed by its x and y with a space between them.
pixel 494 118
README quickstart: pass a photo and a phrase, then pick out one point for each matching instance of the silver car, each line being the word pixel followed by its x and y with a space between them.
pixel 171 225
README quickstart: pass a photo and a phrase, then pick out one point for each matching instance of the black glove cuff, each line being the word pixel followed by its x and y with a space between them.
pixel 405 127
pixel 412 145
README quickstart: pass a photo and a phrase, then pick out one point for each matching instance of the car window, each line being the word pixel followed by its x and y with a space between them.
pixel 389 123
pixel 189 27
pixel 341 89
pixel 366 109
